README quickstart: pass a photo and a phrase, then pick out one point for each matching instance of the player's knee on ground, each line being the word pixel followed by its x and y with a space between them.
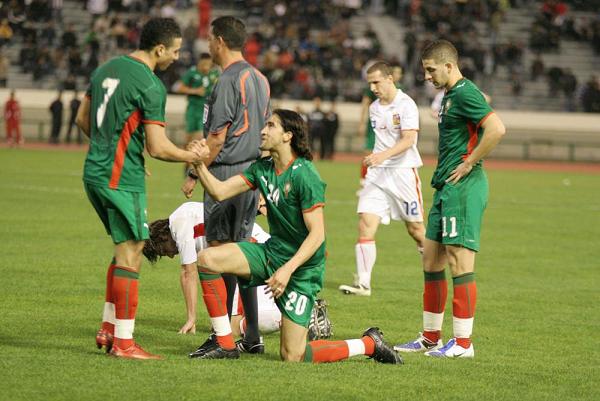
pixel 208 261
pixel 289 355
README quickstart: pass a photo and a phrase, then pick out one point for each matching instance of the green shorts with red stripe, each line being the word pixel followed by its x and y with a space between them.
pixel 297 301
pixel 123 213
pixel 457 211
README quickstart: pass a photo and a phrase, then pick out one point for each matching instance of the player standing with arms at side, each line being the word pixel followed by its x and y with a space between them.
pixel 292 261
pixel 468 130
pixel 197 83
pixel 392 187
pixel 124 109
pixel 235 113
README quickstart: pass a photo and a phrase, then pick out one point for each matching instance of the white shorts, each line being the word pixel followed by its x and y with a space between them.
pixel 269 316
pixel 392 193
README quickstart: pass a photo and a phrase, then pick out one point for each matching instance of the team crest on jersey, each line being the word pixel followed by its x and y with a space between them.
pixel 396 119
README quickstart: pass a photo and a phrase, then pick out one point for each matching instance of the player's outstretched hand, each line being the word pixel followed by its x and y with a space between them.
pixel 278 281
pixel 188 328
pixel 459 172
pixel 188 187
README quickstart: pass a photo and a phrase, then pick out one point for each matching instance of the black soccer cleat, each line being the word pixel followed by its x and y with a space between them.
pixel 219 352
pixel 383 352
pixel 251 348
pixel 210 343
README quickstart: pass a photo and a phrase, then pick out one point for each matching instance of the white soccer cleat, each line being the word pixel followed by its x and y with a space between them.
pixel 355 290
pixel 452 350
pixel 421 344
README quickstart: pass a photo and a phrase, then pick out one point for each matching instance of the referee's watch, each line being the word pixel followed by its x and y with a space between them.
pixel 192 174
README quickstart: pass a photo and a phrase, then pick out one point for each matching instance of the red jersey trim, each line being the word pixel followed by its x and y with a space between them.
pixel 161 123
pixel 247 181
pixel 313 207
pixel 131 124
pixel 279 172
pixel 473 130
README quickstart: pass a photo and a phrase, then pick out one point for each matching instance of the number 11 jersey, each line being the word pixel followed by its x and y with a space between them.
pixel 124 95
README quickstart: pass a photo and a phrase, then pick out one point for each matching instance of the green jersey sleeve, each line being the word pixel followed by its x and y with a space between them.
pixel 152 104
pixel 187 77
pixel 250 175
pixel 473 106
pixel 311 189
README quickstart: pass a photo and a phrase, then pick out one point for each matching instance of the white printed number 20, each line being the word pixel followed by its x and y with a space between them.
pixel 296 303
pixel 110 84
pixel 452 232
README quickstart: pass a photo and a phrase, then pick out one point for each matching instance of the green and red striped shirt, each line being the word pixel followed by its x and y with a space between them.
pixel 463 110
pixel 124 95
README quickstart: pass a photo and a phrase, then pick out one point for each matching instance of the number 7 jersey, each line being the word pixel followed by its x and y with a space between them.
pixel 124 95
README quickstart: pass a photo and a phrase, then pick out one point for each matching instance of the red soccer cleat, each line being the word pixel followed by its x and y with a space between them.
pixel 104 339
pixel 133 352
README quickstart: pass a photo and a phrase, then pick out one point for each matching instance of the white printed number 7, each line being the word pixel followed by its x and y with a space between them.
pixel 110 84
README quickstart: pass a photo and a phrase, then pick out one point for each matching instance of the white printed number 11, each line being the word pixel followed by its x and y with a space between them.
pixel 453 232
pixel 110 84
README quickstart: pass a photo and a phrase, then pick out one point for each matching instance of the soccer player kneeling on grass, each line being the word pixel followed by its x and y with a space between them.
pixel 292 262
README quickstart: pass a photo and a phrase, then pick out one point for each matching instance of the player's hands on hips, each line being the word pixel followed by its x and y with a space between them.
pixel 278 281
pixel 188 187
pixel 188 328
pixel 374 159
pixel 459 172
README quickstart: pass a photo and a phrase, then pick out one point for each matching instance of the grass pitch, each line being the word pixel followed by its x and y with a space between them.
pixel 536 327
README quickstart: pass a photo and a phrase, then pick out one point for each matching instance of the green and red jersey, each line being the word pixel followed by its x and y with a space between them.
pixel 124 95
pixel 288 195
pixel 193 78
pixel 463 110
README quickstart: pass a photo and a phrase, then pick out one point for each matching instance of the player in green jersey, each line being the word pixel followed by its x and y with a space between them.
pixel 468 130
pixel 124 109
pixel 292 261
pixel 197 83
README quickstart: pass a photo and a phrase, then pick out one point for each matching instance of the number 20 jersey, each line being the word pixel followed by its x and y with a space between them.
pixel 124 95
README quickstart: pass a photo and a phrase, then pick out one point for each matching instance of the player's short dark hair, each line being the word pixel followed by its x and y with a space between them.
pixel 380 66
pixel 159 31
pixel 294 123
pixel 232 30
pixel 205 56
pixel 440 51
pixel 160 233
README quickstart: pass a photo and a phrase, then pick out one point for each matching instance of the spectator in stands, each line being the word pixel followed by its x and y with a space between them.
pixel 73 107
pixel 6 32
pixel 48 34
pixel 16 16
pixel 56 111
pixel 554 79
pixel 537 67
pixel 568 83
pixel 56 9
pixel 4 66
pixel 69 38
pixel 97 7
pixel 12 118
pixel 590 98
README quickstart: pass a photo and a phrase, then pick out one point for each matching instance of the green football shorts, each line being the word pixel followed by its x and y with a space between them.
pixel 457 212
pixel 193 120
pixel 299 296
pixel 123 213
